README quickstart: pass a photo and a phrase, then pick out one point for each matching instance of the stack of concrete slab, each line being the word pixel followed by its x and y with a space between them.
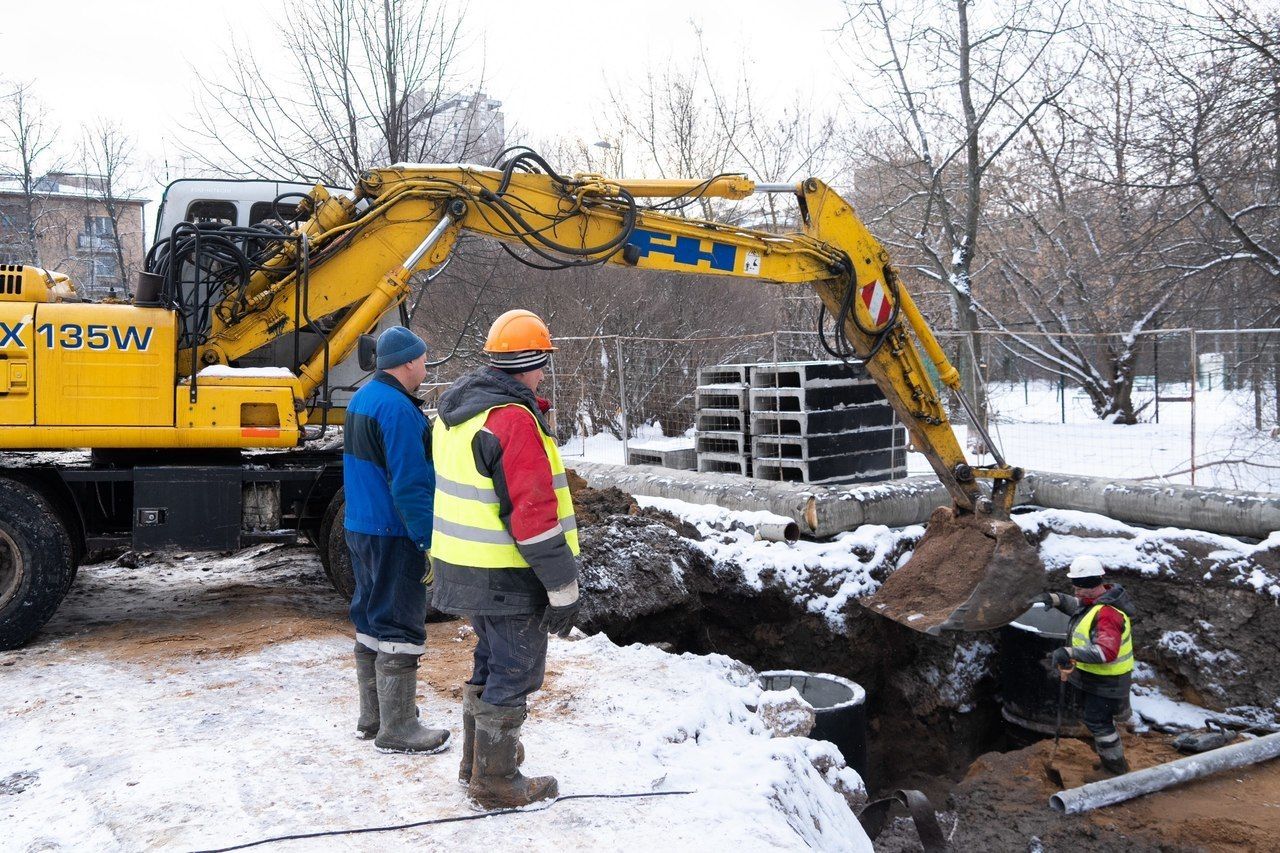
pixel 823 422
pixel 722 434
pixel 666 453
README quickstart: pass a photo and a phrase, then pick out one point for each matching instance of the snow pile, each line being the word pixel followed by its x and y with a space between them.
pixel 224 370
pixel 1066 534
pixel 785 713
pixel 824 577
pixel 132 732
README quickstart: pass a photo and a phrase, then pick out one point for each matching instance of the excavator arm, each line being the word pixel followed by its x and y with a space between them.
pixel 354 264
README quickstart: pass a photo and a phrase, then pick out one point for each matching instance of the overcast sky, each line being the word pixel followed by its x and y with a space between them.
pixel 135 61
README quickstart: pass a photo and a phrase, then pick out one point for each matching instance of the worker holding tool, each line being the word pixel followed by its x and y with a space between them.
pixel 1100 657
pixel 505 552
pixel 389 483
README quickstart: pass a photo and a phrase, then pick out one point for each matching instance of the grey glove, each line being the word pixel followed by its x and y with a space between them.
pixel 1048 599
pixel 1062 658
pixel 563 609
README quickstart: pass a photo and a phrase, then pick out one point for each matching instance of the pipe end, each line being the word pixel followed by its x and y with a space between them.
pixel 1056 803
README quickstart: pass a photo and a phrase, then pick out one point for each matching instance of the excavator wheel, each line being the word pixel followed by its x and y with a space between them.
pixel 37 562
pixel 968 573
pixel 336 557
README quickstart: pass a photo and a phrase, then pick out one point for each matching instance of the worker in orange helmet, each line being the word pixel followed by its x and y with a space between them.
pixel 504 549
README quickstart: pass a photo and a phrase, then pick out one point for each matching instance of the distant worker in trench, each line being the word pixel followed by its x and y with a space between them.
pixel 505 549
pixel 1100 656
pixel 389 483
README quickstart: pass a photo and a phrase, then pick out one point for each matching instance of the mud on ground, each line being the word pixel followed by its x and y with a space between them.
pixel 1003 804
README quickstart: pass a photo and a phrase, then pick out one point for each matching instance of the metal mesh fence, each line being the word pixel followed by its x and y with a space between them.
pixel 1182 406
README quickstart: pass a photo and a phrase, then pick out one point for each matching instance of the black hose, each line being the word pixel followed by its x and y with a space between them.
pixel 440 820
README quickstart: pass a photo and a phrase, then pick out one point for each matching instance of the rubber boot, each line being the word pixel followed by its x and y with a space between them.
pixel 496 781
pixel 397 707
pixel 1110 751
pixel 471 695
pixel 367 683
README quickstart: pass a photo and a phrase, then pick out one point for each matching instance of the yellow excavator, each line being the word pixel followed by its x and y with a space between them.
pixel 181 445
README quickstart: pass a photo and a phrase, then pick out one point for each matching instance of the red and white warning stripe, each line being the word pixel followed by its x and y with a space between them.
pixel 877 302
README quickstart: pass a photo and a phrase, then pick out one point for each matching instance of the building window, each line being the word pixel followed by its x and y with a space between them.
pixel 97 226
pixel 105 268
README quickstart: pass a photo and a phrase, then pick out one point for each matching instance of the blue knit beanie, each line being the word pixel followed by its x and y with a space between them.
pixel 398 345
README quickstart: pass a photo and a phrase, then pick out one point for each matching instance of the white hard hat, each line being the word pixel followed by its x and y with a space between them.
pixel 1085 566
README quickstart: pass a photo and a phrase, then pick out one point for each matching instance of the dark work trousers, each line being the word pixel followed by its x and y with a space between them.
pixel 1100 714
pixel 389 608
pixel 510 657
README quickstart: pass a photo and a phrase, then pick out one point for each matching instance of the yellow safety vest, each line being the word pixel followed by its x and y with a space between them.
pixel 467 528
pixel 1124 658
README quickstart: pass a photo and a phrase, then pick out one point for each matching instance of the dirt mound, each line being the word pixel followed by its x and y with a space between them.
pixel 634 568
pixel 1002 803
pixel 959 557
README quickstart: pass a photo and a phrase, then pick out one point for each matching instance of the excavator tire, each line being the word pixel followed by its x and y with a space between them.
pixel 336 557
pixel 37 562
pixel 968 573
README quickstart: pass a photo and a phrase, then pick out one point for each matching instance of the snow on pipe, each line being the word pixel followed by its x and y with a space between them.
pixel 1148 781
pixel 823 511
pixel 1224 511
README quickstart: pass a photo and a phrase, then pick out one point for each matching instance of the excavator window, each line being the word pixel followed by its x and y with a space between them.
pixel 263 210
pixel 219 212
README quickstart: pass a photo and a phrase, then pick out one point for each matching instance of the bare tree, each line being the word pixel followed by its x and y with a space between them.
pixel 358 83
pixel 1086 258
pixel 108 152
pixel 27 138
pixel 950 95
pixel 1218 118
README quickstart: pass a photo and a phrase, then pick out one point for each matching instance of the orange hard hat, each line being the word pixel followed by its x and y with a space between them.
pixel 519 331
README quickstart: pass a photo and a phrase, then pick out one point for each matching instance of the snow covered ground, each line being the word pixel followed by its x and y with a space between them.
pixel 1027 423
pixel 199 702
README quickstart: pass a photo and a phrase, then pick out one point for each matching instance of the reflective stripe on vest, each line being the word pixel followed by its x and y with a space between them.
pixel 1080 638
pixel 467 527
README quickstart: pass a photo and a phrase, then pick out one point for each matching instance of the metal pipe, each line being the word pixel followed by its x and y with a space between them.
pixel 1140 782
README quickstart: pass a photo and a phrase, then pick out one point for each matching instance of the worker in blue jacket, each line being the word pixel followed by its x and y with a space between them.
pixel 390 483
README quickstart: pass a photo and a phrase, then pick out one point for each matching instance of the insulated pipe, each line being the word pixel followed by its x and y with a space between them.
pixel 1140 782
pixel 823 511
pixel 1224 511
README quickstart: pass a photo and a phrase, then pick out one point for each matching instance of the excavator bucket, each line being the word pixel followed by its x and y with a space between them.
pixel 968 573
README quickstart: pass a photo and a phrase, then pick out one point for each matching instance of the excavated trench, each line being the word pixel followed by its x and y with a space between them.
pixel 934 718
pixel 928 718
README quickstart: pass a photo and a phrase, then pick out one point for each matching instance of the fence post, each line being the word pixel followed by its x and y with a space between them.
pixel 622 398
pixel 1194 365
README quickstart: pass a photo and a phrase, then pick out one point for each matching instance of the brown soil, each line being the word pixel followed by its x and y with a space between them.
pixel 447 665
pixel 1003 802
pixel 594 506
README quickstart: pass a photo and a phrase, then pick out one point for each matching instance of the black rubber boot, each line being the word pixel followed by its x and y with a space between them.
pixel 397 706
pixel 496 780
pixel 471 695
pixel 367 683
pixel 1110 751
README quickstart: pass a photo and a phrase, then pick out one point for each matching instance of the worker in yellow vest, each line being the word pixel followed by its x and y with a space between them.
pixel 504 549
pixel 1100 656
